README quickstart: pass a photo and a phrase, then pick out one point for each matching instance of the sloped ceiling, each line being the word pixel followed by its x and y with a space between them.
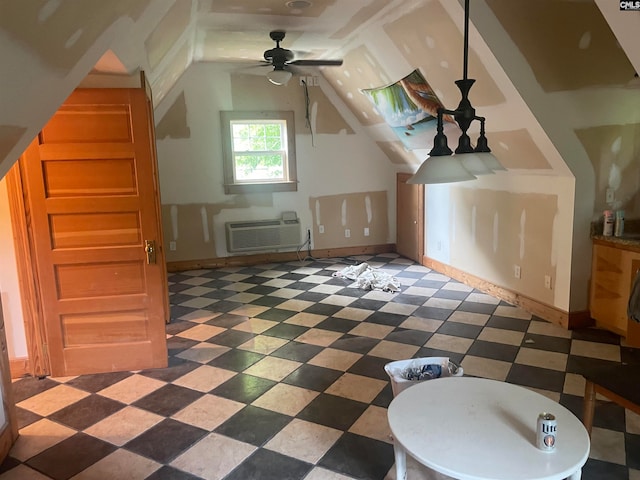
pixel 568 45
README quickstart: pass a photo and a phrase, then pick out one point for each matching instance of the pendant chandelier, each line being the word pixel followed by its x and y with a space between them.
pixel 441 166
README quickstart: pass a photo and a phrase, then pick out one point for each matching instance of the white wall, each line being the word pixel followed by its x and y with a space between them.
pixel 9 287
pixel 191 168
pixel 512 220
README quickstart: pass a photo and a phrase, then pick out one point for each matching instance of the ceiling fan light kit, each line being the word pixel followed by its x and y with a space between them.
pixel 476 160
pixel 298 4
pixel 279 76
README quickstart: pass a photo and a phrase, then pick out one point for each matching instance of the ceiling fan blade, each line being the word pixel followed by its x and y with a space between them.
pixel 317 63
pixel 294 69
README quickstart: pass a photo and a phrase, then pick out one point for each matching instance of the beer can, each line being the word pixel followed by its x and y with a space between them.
pixel 546 432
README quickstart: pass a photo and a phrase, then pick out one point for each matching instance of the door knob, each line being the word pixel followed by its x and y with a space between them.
pixel 150 250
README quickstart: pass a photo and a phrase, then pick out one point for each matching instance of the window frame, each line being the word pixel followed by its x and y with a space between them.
pixel 231 186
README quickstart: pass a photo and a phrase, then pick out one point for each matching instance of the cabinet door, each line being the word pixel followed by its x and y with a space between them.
pixel 633 327
pixel 611 270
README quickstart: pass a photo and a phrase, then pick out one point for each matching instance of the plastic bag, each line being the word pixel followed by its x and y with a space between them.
pixel 404 373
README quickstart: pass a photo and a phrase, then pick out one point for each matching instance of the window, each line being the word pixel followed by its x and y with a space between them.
pixel 259 152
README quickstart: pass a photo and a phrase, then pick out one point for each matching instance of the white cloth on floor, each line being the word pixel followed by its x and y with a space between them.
pixel 368 278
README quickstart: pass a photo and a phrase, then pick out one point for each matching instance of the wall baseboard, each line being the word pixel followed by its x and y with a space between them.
pixel 274 257
pixel 568 320
pixel 19 367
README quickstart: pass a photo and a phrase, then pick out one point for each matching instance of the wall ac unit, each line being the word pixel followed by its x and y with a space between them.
pixel 262 235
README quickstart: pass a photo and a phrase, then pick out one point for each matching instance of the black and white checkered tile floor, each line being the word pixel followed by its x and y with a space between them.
pixel 276 372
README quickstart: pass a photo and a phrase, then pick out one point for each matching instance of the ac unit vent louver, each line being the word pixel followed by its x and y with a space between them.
pixel 262 235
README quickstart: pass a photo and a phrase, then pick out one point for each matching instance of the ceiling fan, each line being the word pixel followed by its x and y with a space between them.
pixel 283 61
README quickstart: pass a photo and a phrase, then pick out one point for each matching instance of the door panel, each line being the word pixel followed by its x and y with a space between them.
pixel 91 184
pixel 95 229
pixel 410 218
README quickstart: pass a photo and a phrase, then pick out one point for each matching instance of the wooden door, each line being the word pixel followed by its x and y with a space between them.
pixel 91 189
pixel 409 218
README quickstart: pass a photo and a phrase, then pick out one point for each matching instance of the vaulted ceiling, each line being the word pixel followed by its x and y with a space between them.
pixel 566 46
pixel 563 45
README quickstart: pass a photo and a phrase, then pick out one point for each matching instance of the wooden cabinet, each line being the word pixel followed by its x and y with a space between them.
pixel 613 269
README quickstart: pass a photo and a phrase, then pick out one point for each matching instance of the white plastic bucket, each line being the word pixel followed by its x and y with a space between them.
pixel 396 369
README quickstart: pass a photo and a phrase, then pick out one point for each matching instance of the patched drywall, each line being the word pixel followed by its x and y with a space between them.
pixel 517 150
pixel 189 229
pixel 614 151
pixel 352 219
pixel 492 232
pixel 10 135
pixel 173 123
pixel 361 69
pixel 427 38
pixel 322 115
pixel 197 220
pixel 360 18
pixel 567 44
pixel 267 7
pixel 52 29
pixel 397 153
pixel 167 32
pixel 330 164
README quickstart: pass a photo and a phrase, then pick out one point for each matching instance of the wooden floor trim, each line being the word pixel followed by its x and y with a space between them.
pixel 568 320
pixel 19 367
pixel 275 257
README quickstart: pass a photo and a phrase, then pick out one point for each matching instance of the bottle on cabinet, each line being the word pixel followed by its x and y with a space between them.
pixel 609 219
pixel 618 229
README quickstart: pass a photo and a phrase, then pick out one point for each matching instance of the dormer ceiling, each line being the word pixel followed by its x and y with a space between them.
pixel 568 45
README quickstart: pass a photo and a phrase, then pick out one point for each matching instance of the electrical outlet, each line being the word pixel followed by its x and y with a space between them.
pixel 366 231
pixel 347 233
pixel 610 195
pixel 547 281
pixel 172 246
pixel 516 271
pixel 320 228
pixel 310 81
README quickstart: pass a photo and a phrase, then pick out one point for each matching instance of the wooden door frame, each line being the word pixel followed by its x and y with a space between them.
pixel 37 363
pixel 402 177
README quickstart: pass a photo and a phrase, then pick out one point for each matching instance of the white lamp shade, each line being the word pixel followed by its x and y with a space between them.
pixel 474 164
pixel 446 169
pixel 490 160
pixel 634 82
pixel 279 77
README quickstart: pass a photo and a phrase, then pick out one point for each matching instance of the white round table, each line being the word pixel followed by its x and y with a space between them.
pixel 479 429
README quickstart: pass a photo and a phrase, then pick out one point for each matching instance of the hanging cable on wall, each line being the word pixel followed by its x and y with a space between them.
pixel 306 110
